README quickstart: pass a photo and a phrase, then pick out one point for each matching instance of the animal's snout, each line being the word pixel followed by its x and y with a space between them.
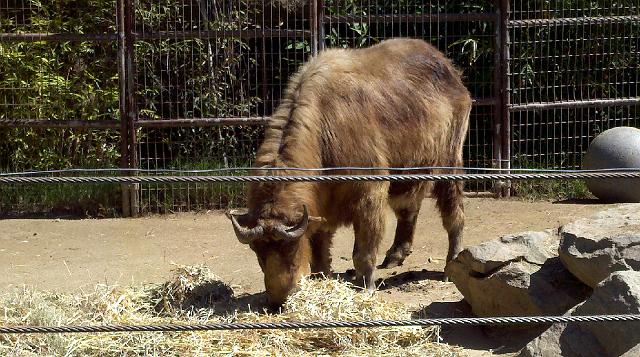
pixel 277 295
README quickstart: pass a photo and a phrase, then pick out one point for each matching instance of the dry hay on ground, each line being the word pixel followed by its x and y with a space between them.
pixel 184 300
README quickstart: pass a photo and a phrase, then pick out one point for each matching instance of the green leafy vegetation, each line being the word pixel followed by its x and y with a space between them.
pixel 548 190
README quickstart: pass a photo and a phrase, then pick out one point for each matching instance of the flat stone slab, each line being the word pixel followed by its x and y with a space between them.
pixel 516 275
pixel 595 247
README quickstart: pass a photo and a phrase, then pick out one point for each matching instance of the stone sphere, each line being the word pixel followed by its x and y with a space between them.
pixel 614 148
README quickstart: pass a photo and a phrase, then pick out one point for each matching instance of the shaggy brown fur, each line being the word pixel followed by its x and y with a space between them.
pixel 400 103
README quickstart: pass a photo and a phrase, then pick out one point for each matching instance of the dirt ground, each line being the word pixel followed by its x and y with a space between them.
pixel 68 255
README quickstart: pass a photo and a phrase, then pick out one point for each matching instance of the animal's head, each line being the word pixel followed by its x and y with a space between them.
pixel 279 241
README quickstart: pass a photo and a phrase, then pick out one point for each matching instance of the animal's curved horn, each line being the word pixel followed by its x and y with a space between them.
pixel 294 232
pixel 245 235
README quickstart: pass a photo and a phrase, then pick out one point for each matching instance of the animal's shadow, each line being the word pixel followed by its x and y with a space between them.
pixel 256 303
pixel 214 296
pixel 394 281
pixel 408 277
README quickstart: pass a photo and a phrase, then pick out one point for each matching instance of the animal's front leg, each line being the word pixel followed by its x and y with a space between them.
pixel 369 228
pixel 321 253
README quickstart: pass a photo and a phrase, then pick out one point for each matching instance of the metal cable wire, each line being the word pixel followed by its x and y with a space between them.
pixel 305 169
pixel 465 321
pixel 323 178
pixel 587 20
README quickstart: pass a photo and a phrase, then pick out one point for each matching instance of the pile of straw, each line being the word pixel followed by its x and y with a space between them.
pixel 183 300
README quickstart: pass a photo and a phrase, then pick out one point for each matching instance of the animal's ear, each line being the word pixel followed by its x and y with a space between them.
pixel 317 219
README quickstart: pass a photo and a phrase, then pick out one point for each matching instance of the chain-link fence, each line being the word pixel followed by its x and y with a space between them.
pixel 160 84
pixel 574 72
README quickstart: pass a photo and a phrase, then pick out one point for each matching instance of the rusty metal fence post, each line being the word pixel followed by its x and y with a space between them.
pixel 320 24
pixel 127 104
pixel 314 27
pixel 496 126
pixel 503 116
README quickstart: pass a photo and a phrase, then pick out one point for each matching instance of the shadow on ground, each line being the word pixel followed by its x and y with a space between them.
pixel 256 303
pixel 580 201
pixel 497 340
pixel 408 277
pixel 397 280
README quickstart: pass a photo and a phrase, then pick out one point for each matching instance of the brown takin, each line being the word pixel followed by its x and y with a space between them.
pixel 400 103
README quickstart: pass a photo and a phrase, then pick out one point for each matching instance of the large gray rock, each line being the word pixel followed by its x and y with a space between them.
pixel 593 248
pixel 619 294
pixel 614 148
pixel 563 340
pixel 516 275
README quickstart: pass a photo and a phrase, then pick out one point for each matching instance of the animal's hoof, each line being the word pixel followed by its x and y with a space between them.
pixel 350 273
pixel 391 261
pixel 321 275
pixel 367 289
pixel 365 283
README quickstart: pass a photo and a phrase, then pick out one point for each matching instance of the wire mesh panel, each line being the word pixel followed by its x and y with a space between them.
pixel 200 64
pixel 205 76
pixel 575 70
pixel 74 79
pixel 228 59
pixel 196 80
pixel 58 69
pixel 188 148
pixel 558 138
pixel 37 18
pixel 209 62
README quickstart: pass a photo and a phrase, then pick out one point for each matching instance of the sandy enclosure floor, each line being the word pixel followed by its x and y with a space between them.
pixel 68 255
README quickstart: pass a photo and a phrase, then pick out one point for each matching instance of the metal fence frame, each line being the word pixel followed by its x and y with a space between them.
pixel 126 36
pixel 602 24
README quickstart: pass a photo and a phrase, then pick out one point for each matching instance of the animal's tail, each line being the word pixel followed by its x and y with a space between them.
pixel 460 127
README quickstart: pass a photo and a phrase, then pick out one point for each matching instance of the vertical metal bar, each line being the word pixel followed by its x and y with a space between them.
pixel 505 6
pixel 127 104
pixel 320 24
pixel 498 93
pixel 266 107
pixel 313 26
pixel 132 112
pixel 124 125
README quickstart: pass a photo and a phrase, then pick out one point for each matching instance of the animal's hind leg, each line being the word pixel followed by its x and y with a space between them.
pixel 449 194
pixel 407 216
pixel 449 197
